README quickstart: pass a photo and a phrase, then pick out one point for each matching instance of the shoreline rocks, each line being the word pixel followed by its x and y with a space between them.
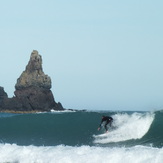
pixel 32 90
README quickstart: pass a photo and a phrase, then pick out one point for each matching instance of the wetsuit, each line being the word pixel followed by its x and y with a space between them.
pixel 106 119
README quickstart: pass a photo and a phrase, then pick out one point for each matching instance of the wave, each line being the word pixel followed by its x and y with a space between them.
pixel 127 127
pixel 64 111
pixel 13 153
pixel 80 128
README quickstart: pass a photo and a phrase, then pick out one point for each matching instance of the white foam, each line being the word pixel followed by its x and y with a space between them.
pixel 84 154
pixel 57 111
pixel 127 127
pixel 64 111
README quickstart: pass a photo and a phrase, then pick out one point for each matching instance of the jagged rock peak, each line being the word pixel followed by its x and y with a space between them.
pixel 3 94
pixel 35 62
pixel 33 74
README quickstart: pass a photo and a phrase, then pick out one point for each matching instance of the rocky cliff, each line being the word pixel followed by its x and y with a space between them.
pixel 32 90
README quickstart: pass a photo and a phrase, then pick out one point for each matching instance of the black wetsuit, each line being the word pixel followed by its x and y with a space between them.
pixel 108 120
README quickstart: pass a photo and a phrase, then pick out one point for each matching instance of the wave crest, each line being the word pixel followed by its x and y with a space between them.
pixel 127 127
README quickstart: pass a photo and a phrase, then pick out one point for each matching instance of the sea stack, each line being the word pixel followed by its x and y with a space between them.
pixel 33 76
pixel 32 90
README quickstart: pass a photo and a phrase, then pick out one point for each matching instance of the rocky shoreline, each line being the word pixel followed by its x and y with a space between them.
pixel 32 91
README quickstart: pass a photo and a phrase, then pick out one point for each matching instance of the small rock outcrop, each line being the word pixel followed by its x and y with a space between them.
pixel 3 95
pixel 32 90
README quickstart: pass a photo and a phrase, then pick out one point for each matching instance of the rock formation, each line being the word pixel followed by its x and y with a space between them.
pixel 33 75
pixel 3 95
pixel 32 90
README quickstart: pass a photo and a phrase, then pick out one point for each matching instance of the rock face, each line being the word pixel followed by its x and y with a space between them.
pixel 32 90
pixel 3 95
pixel 33 75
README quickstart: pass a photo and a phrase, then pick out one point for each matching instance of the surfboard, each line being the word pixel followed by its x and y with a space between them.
pixel 101 135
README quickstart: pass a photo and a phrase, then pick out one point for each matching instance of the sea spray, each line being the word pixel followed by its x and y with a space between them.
pixel 127 127
pixel 83 154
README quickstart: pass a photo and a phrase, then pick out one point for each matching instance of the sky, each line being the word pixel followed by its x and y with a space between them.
pixel 100 55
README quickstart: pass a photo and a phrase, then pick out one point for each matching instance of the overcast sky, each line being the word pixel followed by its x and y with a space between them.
pixel 100 54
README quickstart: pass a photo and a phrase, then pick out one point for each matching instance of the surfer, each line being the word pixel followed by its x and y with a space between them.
pixel 107 120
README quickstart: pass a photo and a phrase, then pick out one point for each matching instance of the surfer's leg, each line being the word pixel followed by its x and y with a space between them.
pixel 110 123
pixel 106 128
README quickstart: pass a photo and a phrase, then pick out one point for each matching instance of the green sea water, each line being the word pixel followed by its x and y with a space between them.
pixel 80 128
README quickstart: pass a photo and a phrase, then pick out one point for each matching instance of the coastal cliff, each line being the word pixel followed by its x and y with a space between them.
pixel 32 90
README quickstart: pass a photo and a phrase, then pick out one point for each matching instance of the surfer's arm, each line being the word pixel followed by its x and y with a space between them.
pixel 99 127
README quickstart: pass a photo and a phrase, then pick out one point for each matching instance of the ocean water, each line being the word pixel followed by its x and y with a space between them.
pixel 72 137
